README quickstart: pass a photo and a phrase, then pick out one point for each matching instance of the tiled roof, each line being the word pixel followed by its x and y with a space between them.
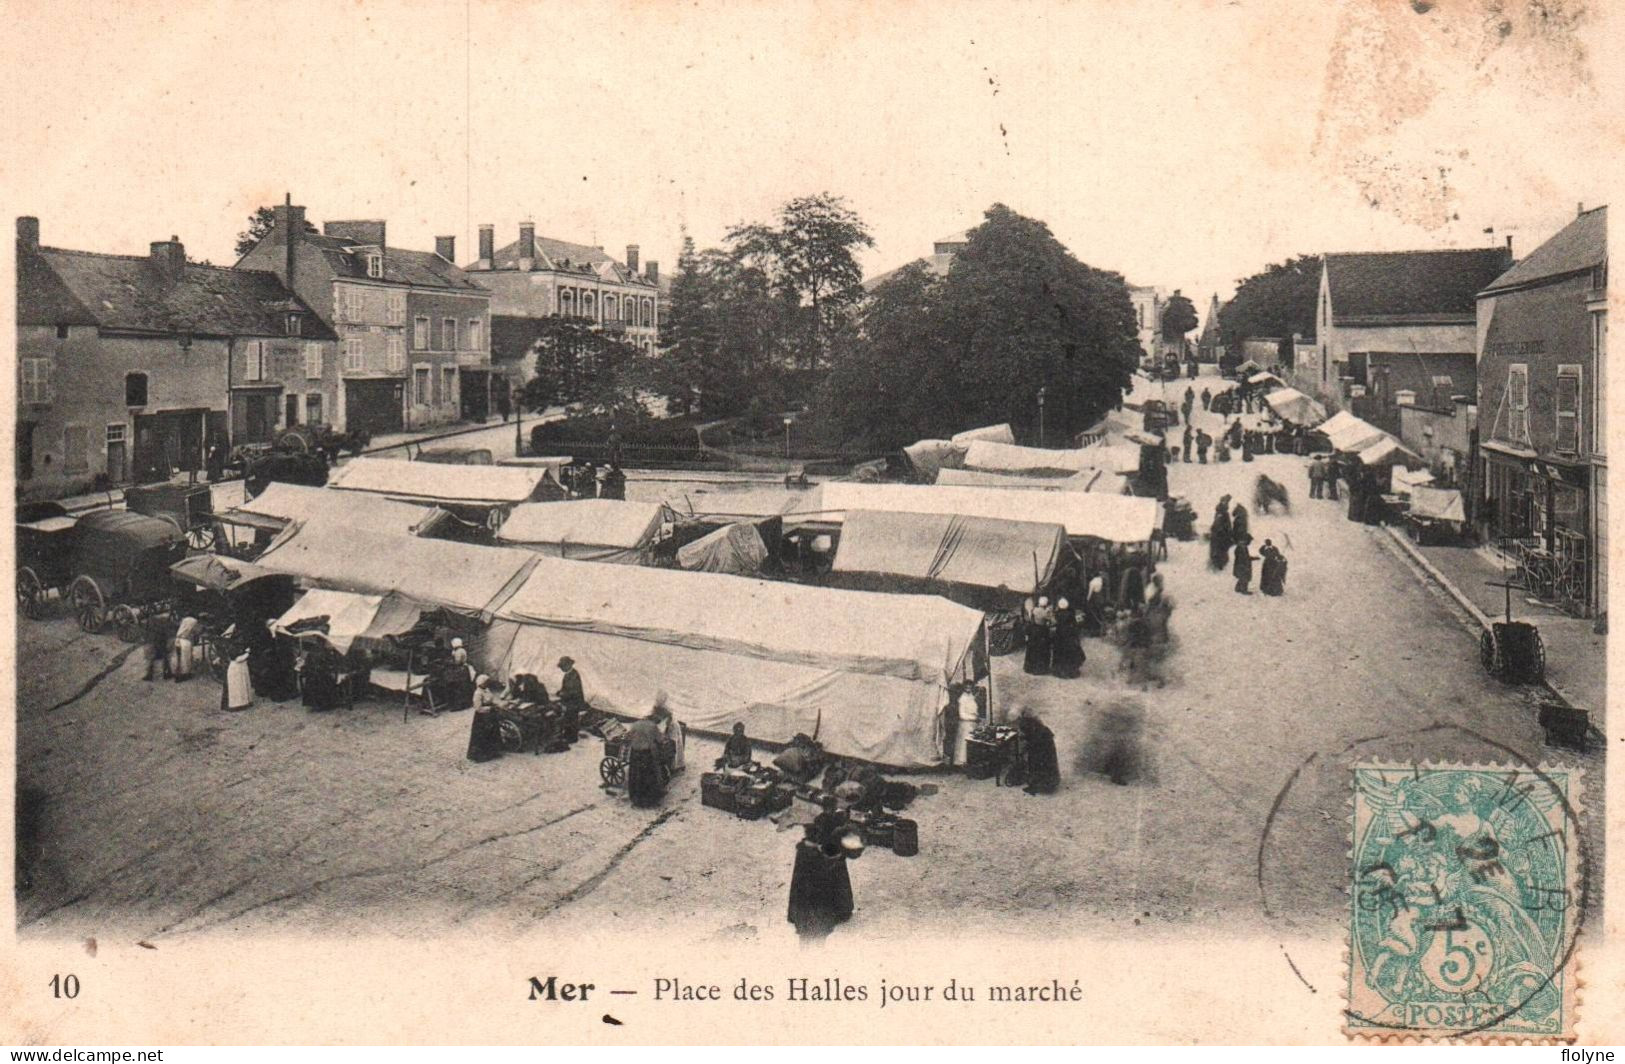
pixel 562 255
pixel 423 269
pixel 1410 285
pixel 1580 245
pixel 131 292
pixel 42 298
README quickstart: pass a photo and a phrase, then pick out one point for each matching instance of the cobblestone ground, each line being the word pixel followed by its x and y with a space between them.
pixel 153 813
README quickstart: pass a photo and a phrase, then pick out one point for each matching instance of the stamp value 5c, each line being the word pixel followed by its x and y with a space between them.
pixel 1468 889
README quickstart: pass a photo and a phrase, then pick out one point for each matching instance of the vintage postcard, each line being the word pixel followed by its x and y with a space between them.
pixel 810 522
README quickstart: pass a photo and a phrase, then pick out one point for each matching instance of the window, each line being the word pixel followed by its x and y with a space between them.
pixel 75 449
pixel 313 408
pixel 352 303
pixel 612 308
pixel 473 335
pixel 397 308
pixel 355 355
pixel 293 323
pixel 1518 388
pixel 397 351
pixel 313 362
pixel 37 380
pixel 588 305
pixel 115 432
pixel 649 312
pixel 375 264
pixel 420 385
pixel 448 334
pixel 567 302
pixel 1599 382
pixel 135 389
pixel 420 333
pixel 1568 409
pixel 448 385
pixel 254 361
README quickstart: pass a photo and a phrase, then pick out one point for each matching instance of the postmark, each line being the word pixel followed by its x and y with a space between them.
pixel 1467 890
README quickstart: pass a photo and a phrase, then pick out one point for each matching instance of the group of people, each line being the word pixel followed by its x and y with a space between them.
pixel 654 753
pixel 1323 477
pixel 590 481
pixel 1053 646
pixel 1230 529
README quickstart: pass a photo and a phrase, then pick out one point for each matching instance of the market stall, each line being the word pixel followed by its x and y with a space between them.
pixel 736 548
pixel 593 530
pixel 992 433
pixel 249 527
pixel 1086 480
pixel 990 457
pixel 865 674
pixel 481 494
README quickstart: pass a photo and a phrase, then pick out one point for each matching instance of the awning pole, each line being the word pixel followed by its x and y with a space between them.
pixel 987 652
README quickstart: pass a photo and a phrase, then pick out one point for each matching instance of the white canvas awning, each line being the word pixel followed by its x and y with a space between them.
pixel 464 577
pixel 1294 406
pixel 1010 458
pixel 351 618
pixel 735 548
pixel 450 485
pixel 594 530
pixel 978 551
pixel 288 503
pixel 928 456
pixel 1402 480
pixel 864 673
pixel 1387 450
pixel 992 433
pixel 1112 518
pixel 1437 504
pixel 1349 433
pixel 1084 481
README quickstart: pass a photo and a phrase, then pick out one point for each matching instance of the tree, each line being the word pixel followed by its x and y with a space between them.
pixel 1178 317
pixel 810 255
pixel 1017 313
pixel 1278 302
pixel 259 223
pixel 576 363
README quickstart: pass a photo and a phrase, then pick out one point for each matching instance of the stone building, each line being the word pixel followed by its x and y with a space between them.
pixel 130 366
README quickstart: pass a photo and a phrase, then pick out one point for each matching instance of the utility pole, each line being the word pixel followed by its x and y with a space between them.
pixel 518 422
pixel 1041 392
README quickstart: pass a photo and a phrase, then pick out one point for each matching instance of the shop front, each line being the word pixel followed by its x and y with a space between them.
pixel 1539 513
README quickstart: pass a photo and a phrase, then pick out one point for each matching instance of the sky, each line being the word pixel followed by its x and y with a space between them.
pixel 1185 145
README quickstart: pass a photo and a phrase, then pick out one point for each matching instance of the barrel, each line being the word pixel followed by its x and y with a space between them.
pixel 905 839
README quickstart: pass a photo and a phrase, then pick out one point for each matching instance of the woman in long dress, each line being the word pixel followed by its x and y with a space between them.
pixel 1038 751
pixel 643 772
pixel 1040 642
pixel 1218 546
pixel 820 885
pixel 1066 657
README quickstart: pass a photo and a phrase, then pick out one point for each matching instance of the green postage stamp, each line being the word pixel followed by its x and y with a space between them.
pixel 1469 888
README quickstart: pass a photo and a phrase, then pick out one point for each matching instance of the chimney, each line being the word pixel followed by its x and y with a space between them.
pixel 632 258
pixel 527 245
pixel 652 271
pixel 169 256
pixel 28 232
pixel 288 228
pixel 446 248
pixel 1509 245
pixel 487 247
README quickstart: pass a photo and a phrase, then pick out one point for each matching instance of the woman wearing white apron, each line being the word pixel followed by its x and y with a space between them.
pixel 239 692
pixel 181 657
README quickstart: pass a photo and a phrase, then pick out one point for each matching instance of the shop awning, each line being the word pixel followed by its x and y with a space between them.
pixel 351 619
pixel 1387 451
pixel 1402 480
pixel 1437 504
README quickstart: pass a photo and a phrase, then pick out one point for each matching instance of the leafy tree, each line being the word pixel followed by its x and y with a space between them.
pixel 809 254
pixel 1017 313
pixel 1178 317
pixel 1278 301
pixel 576 363
pixel 262 221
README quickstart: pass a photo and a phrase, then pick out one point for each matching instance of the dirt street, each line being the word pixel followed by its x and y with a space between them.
pixel 155 813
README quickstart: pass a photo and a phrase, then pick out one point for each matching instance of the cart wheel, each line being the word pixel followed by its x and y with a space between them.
pixel 1489 654
pixel 30 594
pixel 613 769
pixel 127 623
pixel 513 739
pixel 1537 663
pixel 200 537
pixel 89 607
pixel 293 441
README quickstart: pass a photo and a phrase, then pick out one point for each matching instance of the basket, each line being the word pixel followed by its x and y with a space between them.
pixel 905 840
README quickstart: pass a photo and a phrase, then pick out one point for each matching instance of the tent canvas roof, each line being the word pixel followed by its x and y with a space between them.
pixel 1402 480
pixel 1114 518
pixel 352 618
pixel 1008 457
pixel 979 551
pixel 926 637
pixel 433 482
pixel 928 456
pixel 587 522
pixel 1292 405
pixel 1001 433
pixel 459 576
pixel 735 548
pixel 1349 433
pixel 1438 504
pixel 297 502
pixel 1386 449
pixel 1084 481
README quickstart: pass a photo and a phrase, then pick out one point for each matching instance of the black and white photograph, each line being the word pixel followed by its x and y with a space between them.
pixel 823 522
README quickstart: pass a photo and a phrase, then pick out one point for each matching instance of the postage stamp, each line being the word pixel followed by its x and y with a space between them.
pixel 1468 891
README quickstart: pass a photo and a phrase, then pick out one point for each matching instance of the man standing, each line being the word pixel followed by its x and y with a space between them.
pixel 571 695
pixel 1185 449
pixel 1203 442
pixel 1243 568
pixel 1330 478
pixel 1207 398
pixel 1317 476
pixel 1218 546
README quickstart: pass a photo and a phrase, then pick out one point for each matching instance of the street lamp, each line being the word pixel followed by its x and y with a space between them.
pixel 1041 392
pixel 518 421
pixel 787 436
